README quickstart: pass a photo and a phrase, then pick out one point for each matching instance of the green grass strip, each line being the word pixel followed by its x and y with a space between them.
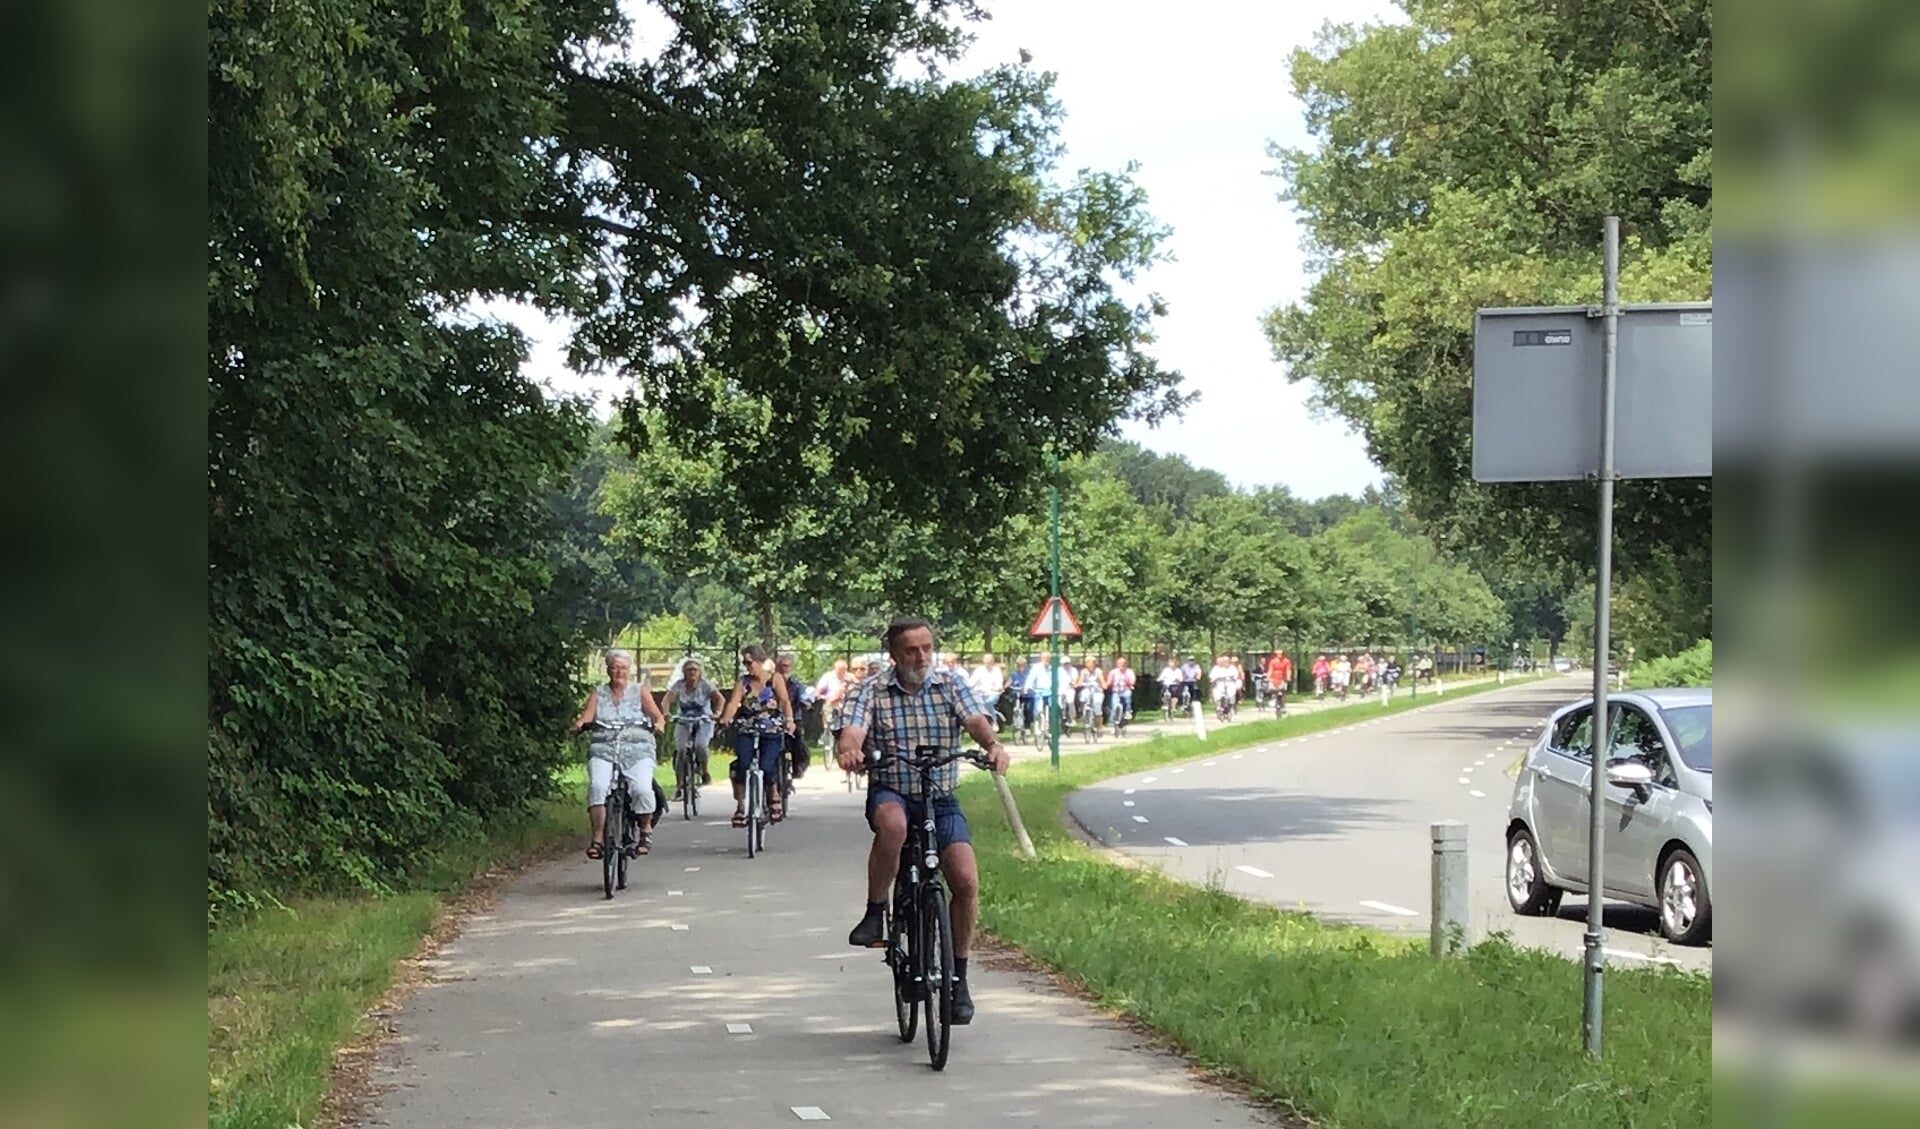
pixel 1350 1027
pixel 288 986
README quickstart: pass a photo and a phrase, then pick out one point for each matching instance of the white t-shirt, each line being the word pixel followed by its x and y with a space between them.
pixel 1224 679
pixel 988 681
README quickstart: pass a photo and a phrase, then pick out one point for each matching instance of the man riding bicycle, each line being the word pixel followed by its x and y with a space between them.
pixel 898 710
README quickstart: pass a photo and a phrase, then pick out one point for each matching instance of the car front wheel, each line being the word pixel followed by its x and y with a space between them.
pixel 1686 913
pixel 1527 889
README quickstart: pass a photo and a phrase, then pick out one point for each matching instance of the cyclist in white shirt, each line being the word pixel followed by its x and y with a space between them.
pixel 1224 680
pixel 989 681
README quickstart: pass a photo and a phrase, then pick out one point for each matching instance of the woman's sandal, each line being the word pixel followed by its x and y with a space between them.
pixel 595 852
pixel 739 819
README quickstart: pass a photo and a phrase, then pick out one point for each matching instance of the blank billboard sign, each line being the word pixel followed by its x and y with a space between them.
pixel 1536 393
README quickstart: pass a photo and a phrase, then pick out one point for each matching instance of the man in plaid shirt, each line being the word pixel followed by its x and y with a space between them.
pixel 900 709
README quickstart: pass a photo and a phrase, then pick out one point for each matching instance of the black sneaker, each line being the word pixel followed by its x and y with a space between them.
pixel 871 933
pixel 962 1002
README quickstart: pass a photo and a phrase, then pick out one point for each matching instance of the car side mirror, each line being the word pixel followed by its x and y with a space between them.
pixel 1630 774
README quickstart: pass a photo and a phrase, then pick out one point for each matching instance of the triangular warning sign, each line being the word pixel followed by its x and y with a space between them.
pixel 1055 618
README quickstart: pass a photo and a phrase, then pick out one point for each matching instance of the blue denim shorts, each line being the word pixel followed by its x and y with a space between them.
pixel 949 823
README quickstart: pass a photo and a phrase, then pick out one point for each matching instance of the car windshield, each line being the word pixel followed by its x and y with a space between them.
pixel 1692 727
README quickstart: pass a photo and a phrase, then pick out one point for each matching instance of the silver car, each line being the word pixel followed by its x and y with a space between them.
pixel 1659 818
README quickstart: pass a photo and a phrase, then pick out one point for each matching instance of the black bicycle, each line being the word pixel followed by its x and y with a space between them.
pixel 687 761
pixel 919 946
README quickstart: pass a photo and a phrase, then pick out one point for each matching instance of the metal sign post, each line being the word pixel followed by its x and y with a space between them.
pixel 1536 414
pixel 1595 940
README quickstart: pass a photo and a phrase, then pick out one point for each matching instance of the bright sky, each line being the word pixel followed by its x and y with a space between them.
pixel 1192 91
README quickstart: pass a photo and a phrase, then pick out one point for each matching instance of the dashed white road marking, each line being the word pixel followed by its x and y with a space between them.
pixel 1389 907
pixel 702 970
pixel 739 1028
pixel 1131 791
pixel 1630 955
pixel 682 893
pixel 1253 870
pixel 681 927
pixel 1467 780
pixel 1178 771
pixel 810 1113
pixel 1140 819
pixel 1211 764
pixel 1126 803
pixel 692 869
pixel 1237 756
pixel 1151 779
pixel 1478 794
pixel 1176 842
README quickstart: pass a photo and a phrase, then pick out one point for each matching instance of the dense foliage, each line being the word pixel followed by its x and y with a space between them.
pixel 826 266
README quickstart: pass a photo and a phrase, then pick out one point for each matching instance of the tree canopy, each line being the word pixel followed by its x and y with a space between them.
pixel 1463 159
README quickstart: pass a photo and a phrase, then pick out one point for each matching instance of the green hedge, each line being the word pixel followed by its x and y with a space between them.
pixel 1691 667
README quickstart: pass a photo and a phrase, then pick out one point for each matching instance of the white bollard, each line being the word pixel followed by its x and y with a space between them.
pixel 1386 694
pixel 1439 685
pixel 1199 722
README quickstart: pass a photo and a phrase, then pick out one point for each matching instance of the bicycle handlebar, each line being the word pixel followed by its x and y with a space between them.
pixel 876 758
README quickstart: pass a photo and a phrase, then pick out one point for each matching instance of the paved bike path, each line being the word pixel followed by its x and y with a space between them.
pixel 558 1008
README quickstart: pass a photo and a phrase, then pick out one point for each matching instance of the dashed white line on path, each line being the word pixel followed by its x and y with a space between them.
pixel 702 970
pixel 1389 907
pixel 1211 764
pixel 1237 756
pixel 1253 870
pixel 682 893
pixel 1140 819
pixel 739 1028
pixel 1469 780
pixel 1477 793
pixel 681 927
pixel 1176 842
pixel 1131 791
pixel 1151 779
pixel 810 1113
pixel 1178 771
pixel 1126 803
pixel 692 869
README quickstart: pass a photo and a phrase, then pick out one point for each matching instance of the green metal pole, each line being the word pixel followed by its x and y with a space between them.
pixel 1053 591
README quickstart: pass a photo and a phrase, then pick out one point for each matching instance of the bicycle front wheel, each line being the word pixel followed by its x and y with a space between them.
pixel 936 929
pixel 756 801
pixel 609 837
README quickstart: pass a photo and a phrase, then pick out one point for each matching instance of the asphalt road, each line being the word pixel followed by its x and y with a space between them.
pixel 721 991
pixel 1337 823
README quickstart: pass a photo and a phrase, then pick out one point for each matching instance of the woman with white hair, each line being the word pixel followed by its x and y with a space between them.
pixel 624 718
pixel 695 701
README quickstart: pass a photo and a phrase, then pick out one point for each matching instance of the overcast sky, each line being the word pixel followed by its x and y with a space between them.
pixel 1192 91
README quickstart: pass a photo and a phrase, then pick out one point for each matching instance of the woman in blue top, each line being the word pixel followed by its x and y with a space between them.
pixel 760 700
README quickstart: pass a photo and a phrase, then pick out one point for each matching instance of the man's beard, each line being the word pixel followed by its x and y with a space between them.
pixel 915 674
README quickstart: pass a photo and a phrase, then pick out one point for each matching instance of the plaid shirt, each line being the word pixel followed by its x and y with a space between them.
pixel 898 720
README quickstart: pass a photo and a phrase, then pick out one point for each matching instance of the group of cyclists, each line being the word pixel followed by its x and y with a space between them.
pixel 898 706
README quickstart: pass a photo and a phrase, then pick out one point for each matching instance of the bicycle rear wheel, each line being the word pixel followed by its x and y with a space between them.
pixel 936 925
pixel 900 957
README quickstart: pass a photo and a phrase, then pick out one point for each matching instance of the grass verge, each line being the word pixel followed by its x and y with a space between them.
pixel 1346 1026
pixel 290 986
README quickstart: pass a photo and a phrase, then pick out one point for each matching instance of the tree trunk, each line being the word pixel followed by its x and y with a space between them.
pixel 986 639
pixel 765 605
